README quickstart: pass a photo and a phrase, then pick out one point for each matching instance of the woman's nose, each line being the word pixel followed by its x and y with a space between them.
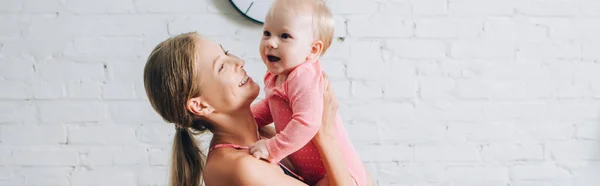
pixel 239 64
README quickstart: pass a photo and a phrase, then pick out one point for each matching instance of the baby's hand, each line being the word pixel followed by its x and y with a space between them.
pixel 259 149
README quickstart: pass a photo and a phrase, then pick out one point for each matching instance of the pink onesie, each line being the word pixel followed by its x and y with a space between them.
pixel 296 108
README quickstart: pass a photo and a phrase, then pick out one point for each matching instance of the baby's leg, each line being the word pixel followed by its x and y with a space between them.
pixel 325 182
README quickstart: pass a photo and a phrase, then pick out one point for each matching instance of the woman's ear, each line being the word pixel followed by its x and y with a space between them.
pixel 315 50
pixel 198 107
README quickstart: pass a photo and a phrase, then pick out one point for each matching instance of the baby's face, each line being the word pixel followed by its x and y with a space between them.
pixel 287 40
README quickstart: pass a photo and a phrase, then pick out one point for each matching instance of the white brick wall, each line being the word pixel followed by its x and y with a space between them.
pixel 433 92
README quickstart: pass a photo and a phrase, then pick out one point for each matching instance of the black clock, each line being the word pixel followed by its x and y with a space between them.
pixel 255 10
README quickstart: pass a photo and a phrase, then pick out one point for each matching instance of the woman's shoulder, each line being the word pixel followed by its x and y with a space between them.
pixel 235 168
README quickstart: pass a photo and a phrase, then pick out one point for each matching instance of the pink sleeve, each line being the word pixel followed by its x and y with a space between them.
pixel 262 113
pixel 306 101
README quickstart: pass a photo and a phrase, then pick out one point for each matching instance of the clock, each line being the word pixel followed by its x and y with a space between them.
pixel 255 10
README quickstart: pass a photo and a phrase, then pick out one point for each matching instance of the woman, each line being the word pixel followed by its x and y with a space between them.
pixel 193 83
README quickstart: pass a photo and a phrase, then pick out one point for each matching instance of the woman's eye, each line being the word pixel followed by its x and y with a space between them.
pixel 221 68
pixel 267 33
pixel 285 36
pixel 227 52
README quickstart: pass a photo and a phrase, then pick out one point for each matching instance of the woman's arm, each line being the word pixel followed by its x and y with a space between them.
pixel 336 170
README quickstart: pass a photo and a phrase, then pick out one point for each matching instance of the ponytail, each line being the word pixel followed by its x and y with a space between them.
pixel 187 159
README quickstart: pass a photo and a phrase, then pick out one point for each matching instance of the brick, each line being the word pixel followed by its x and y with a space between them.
pixel 32 134
pixel 70 71
pixel 403 88
pixel 177 6
pixel 341 89
pixel 133 112
pixel 66 26
pixel 105 176
pixel 159 157
pixel 479 7
pixel 43 6
pixel 153 176
pixel 587 131
pixel 589 50
pixel 335 69
pixel 585 29
pixel 97 157
pixel 80 111
pixel 15 90
pixel 220 7
pixel 560 130
pixel 538 172
pixel 131 156
pixel 385 153
pixel 97 135
pixel 11 6
pixel 92 50
pixel 53 89
pixel 378 26
pixel 366 90
pixel 362 131
pixel 496 131
pixel 17 112
pixel 572 150
pixel 339 49
pixel 5 159
pixel 435 88
pixel 11 26
pixel 84 89
pixel 16 71
pixel 99 7
pixel 512 152
pixel 368 109
pixel 447 152
pixel 421 49
pixel 590 7
pixel 448 27
pixel 360 68
pixel 477 174
pixel 540 183
pixel 226 28
pixel 55 157
pixel 45 176
pixel 549 8
pixel 45 49
pixel 389 173
pixel 429 7
pixel 156 133
pixel 515 30
pixel 118 90
pixel 572 110
pixel 408 132
pixel 515 110
pixel 545 50
pixel 482 49
pixel 353 7
pixel 396 7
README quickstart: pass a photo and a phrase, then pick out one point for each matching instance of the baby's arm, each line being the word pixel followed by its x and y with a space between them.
pixel 304 90
pixel 262 113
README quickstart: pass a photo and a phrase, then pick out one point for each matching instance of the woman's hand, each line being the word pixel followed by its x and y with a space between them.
pixel 330 108
pixel 336 171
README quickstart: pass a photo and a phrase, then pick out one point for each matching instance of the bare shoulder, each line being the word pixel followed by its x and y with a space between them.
pixel 244 170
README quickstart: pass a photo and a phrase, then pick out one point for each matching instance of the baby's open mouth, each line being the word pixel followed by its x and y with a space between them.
pixel 273 58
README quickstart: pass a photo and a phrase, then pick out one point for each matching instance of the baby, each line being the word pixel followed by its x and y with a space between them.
pixel 296 34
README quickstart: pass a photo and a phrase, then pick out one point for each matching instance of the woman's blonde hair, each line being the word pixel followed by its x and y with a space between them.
pixel 170 80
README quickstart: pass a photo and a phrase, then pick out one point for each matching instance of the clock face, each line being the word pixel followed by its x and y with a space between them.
pixel 255 10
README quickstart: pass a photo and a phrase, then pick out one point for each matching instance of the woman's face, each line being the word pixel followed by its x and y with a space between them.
pixel 224 84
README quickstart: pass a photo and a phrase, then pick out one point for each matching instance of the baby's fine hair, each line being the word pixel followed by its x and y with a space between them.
pixel 322 18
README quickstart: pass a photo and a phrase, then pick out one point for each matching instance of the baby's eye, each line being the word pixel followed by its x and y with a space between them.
pixel 267 33
pixel 285 36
